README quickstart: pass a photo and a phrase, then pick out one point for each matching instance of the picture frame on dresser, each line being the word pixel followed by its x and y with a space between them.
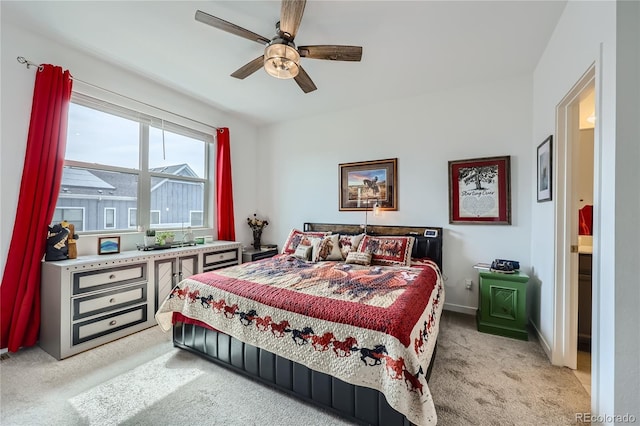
pixel 480 191
pixel 367 182
pixel 544 175
pixel 108 245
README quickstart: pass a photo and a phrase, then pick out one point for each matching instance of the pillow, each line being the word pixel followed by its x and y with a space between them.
pixel 292 241
pixel 327 249
pixel 358 258
pixel 303 252
pixel 349 243
pixel 393 251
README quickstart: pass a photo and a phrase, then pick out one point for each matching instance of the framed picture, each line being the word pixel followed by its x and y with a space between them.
pixel 108 245
pixel 544 170
pixel 480 191
pixel 365 183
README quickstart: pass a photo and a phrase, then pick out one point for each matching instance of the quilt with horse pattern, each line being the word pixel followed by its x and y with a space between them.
pixel 373 326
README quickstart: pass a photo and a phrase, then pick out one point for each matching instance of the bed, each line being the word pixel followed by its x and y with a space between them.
pixel 367 355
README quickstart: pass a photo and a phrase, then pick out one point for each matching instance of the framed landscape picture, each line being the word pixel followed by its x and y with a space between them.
pixel 365 183
pixel 480 191
pixel 108 245
pixel 544 170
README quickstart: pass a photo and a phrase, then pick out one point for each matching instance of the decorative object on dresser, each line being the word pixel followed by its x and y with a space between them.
pixel 61 242
pixel 365 181
pixel 545 164
pixel 502 304
pixel 93 300
pixel 480 191
pixel 270 306
pixel 108 245
pixel 256 225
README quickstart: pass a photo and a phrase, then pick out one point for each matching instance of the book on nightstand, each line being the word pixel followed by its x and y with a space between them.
pixel 482 266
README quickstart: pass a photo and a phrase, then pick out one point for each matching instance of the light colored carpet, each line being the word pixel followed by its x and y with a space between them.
pixel 478 379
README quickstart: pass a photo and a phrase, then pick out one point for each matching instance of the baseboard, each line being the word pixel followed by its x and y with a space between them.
pixel 543 342
pixel 460 308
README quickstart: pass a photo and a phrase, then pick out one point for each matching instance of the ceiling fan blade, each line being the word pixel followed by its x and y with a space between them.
pixel 248 69
pixel 304 81
pixel 223 25
pixel 291 15
pixel 331 52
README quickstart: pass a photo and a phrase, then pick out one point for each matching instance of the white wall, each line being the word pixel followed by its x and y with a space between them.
pixel 299 162
pixel 586 34
pixel 16 96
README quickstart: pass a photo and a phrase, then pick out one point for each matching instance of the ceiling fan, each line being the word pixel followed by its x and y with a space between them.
pixel 281 57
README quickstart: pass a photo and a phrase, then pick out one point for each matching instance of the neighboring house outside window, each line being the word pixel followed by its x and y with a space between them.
pixel 124 169
pixel 73 215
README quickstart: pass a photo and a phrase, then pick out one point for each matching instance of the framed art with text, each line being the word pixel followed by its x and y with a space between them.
pixel 480 191
pixel 544 170
pixel 366 183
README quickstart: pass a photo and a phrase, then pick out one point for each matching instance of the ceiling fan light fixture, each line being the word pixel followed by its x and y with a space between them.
pixel 281 61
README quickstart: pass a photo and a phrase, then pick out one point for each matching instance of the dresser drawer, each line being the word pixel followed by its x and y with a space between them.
pixel 211 260
pixel 108 301
pixel 91 329
pixel 84 282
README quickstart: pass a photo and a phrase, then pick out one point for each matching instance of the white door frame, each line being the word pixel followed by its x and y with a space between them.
pixel 565 348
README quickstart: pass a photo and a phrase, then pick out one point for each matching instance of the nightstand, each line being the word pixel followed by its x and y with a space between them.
pixel 250 254
pixel 502 308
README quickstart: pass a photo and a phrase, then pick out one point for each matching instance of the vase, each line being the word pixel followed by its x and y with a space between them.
pixel 257 235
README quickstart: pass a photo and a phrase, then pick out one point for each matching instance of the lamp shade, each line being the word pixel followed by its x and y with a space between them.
pixel 281 61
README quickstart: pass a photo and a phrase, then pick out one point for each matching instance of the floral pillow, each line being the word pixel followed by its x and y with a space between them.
pixel 294 238
pixel 327 249
pixel 349 243
pixel 393 251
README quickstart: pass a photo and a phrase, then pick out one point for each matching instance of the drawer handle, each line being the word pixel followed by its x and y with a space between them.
pixel 112 322
pixel 221 256
pixel 112 300
pixel 112 276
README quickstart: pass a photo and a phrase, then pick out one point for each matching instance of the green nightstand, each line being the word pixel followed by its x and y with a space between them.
pixel 502 308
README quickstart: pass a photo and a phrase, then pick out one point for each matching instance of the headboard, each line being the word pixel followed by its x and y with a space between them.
pixel 428 239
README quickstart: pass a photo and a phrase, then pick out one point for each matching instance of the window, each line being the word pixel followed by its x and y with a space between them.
pixel 73 215
pixel 109 218
pixel 120 163
pixel 155 217
pixel 196 218
pixel 133 217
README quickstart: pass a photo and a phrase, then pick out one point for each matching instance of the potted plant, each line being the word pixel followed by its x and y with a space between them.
pixel 165 237
pixel 150 237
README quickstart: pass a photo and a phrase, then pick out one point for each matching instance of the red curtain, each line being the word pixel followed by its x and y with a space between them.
pixel 224 189
pixel 41 176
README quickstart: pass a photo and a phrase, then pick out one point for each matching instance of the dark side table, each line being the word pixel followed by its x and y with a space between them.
pixel 250 254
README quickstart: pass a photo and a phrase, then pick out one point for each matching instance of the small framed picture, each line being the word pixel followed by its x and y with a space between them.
pixel 108 245
pixel 544 170
pixel 366 183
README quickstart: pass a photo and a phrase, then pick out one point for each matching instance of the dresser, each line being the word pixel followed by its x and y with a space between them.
pixel 92 300
pixel 502 304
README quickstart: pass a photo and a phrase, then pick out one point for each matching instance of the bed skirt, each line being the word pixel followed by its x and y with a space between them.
pixel 355 403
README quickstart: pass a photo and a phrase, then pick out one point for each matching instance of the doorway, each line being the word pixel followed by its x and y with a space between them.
pixel 574 209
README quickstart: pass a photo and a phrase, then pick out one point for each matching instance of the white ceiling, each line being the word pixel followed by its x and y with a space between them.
pixel 409 48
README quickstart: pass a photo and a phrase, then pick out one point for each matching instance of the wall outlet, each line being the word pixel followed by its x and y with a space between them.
pixel 468 283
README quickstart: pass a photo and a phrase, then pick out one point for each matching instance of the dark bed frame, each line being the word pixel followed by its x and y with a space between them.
pixel 355 403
